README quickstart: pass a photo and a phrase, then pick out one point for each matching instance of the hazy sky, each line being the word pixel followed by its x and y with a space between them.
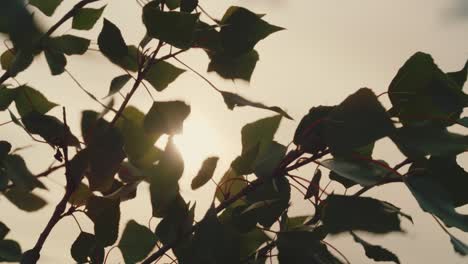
pixel 329 50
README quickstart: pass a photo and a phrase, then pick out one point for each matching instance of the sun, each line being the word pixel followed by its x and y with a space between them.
pixel 198 141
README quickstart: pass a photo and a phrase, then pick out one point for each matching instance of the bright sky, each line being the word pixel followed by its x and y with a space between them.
pixel 329 50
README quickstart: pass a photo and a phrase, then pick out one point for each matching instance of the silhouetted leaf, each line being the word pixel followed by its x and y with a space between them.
pixel 358 121
pixel 309 134
pixel 161 74
pixel 5 148
pixel 118 83
pixel 86 18
pixel 171 4
pixel 28 100
pixel 166 117
pixel 377 253
pixel 251 241
pixel 176 223
pixel 205 173
pixel 25 200
pixel 85 247
pixel 21 62
pixel 244 164
pixel 239 67
pixel 207 37
pixel 188 5
pixel 17 171
pixel 230 184
pixel 175 28
pixel 106 153
pixel 232 100
pixel 50 128
pixel 4 230
pixel 56 61
pixel 46 6
pixel 137 241
pixel 111 42
pixel 460 76
pixel 363 172
pixel 215 242
pixel 10 251
pixel 105 214
pixel 69 44
pixel 164 180
pixel 303 247
pixel 314 185
pixel 459 247
pixel 422 92
pixel 419 141
pixel 273 189
pixel 268 161
pixel 6 97
pixel 347 183
pixel 360 213
pixel 242 29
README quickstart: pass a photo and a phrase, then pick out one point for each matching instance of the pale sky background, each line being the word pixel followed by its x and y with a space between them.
pixel 329 50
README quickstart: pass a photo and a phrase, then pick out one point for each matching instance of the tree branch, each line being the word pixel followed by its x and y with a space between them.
pixel 7 74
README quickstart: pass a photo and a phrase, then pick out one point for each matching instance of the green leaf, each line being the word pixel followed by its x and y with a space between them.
pixel 47 7
pixel 230 184
pixel 205 173
pixel 85 247
pixel 302 247
pixel 111 42
pixel 262 130
pixel 233 100
pixel 137 242
pixel 460 76
pixel 239 67
pixel 78 166
pixel 164 180
pixel 244 164
pixel 365 173
pixel 361 213
pixel 207 37
pixel 171 4
pixel 21 62
pixel 118 83
pixel 10 251
pixel 24 200
pixel 269 160
pixel 242 30
pixel 422 92
pixel 17 171
pixel 105 214
pixel 166 117
pixel 6 97
pixel 4 230
pixel 69 44
pixel 358 121
pixel 81 195
pixel 419 141
pixel 188 5
pixel 28 100
pixel 376 253
pixel 7 59
pixel 435 199
pixel 313 189
pixel 447 174
pixel 106 153
pixel 161 74
pixel 138 145
pixel 175 28
pixel 463 121
pixel 56 61
pixel 459 247
pixel 50 128
pixel 86 18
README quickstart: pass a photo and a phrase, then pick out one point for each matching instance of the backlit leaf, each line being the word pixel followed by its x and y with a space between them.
pixel 84 247
pixel 233 100
pixel 205 173
pixel 137 241
pixel 28 100
pixel 111 42
pixel 166 117
pixel 86 18
pixel 25 200
pixel 10 251
pixel 161 74
pixel 56 61
pixel 105 214
pixel 118 83
pixel 69 44
pixel 240 67
pixel 46 6
pixel 374 252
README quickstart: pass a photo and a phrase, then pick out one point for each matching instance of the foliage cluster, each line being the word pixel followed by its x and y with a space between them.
pixel 249 218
